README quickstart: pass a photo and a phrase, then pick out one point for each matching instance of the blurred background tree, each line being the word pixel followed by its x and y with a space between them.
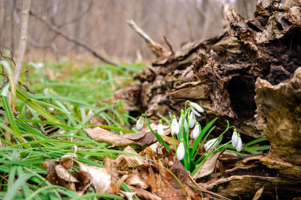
pixel 102 25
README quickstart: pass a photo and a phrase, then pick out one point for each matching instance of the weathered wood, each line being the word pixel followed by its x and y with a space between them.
pixel 250 76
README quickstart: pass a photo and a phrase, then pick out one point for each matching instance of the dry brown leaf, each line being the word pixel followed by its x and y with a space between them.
pixel 111 167
pixel 180 172
pixel 149 136
pixel 136 180
pixel 134 136
pixel 102 135
pixel 144 194
pixel 85 181
pixel 64 174
pixel 258 193
pixel 207 167
pixel 67 160
pixel 101 179
pixel 125 160
pixel 52 176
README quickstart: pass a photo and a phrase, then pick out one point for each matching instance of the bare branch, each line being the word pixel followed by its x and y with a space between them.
pixel 169 44
pixel 155 47
pixel 74 40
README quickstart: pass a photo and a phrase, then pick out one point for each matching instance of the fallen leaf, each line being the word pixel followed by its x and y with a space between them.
pixel 133 136
pixel 111 167
pixel 258 193
pixel 126 160
pixel 52 176
pixel 149 137
pixel 64 174
pixel 85 181
pixel 180 172
pixel 101 179
pixel 144 194
pixel 67 160
pixel 135 179
pixel 207 167
pixel 102 135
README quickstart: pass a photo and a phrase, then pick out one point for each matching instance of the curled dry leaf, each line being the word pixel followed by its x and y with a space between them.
pixel 126 160
pixel 149 136
pixel 145 194
pixel 111 167
pixel 64 174
pixel 52 176
pixel 134 136
pixel 101 179
pixel 136 180
pixel 207 167
pixel 102 135
pixel 66 160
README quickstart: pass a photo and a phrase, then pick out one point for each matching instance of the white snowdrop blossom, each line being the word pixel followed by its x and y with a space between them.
pixel 234 138
pixel 196 108
pixel 160 128
pixel 186 126
pixel 191 120
pixel 174 126
pixel 211 144
pixel 180 151
pixel 181 119
pixel 140 123
pixel 195 132
pixel 239 144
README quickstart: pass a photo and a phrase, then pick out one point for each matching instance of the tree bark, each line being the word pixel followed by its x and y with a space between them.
pixel 249 76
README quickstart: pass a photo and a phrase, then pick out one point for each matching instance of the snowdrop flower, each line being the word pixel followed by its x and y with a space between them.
pixel 239 143
pixel 196 131
pixel 181 151
pixel 140 123
pixel 234 138
pixel 191 120
pixel 160 128
pixel 211 144
pixel 185 122
pixel 196 108
pixel 174 126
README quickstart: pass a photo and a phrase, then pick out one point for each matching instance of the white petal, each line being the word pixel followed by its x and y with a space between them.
pixel 196 131
pixel 180 151
pixel 186 126
pixel 139 123
pixel 191 120
pixel 180 121
pixel 234 139
pixel 211 144
pixel 174 127
pixel 239 144
pixel 160 130
pixel 195 112
pixel 197 107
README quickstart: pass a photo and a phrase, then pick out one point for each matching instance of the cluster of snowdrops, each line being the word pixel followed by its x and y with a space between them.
pixel 180 131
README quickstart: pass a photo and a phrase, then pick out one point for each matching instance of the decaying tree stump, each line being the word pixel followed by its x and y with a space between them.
pixel 250 76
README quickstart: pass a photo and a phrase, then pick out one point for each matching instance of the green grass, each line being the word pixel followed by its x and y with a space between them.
pixel 62 103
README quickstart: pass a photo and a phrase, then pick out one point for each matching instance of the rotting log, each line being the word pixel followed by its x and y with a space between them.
pixel 250 76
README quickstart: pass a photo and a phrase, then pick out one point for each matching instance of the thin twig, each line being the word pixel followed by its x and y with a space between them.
pixel 169 44
pixel 74 40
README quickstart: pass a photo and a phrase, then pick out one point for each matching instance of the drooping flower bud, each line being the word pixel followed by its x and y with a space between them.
pixel 196 109
pixel 196 131
pixel 181 151
pixel 181 119
pixel 160 128
pixel 191 120
pixel 174 126
pixel 239 143
pixel 211 144
pixel 234 138
pixel 140 123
